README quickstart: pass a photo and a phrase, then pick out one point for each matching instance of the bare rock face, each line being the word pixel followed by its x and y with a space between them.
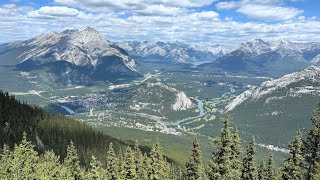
pixel 302 82
pixel 84 47
pixel 182 102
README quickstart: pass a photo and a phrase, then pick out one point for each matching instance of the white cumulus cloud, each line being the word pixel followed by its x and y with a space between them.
pixel 261 9
pixel 267 12
pixel 54 11
pixel 160 10
pixel 226 5
pixel 163 20
pixel 99 5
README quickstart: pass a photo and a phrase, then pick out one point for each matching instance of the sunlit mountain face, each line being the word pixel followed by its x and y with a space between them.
pixel 158 71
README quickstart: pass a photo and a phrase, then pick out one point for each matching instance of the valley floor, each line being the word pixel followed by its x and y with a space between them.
pixel 142 109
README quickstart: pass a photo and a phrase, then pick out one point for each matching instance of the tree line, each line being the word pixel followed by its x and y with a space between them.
pixel 23 162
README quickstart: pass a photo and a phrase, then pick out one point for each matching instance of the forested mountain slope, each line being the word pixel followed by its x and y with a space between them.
pixel 49 131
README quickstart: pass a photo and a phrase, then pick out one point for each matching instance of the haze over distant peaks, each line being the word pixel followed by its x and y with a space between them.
pixel 174 51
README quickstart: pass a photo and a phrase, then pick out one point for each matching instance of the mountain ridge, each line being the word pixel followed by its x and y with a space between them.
pixel 310 74
pixel 70 53
pixel 174 51
pixel 274 59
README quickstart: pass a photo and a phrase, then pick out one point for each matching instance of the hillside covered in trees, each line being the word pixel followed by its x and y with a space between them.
pixel 39 157
pixel 49 131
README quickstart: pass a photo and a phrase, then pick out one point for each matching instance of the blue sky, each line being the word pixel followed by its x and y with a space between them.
pixel 191 21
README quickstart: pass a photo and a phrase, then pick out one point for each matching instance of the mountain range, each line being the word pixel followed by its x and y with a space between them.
pixel 268 58
pixel 74 56
pixel 85 57
pixel 174 51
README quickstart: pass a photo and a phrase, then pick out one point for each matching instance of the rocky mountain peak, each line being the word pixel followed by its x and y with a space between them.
pixel 90 29
pixel 256 46
pixel 84 47
pixel 282 41
pixel 258 41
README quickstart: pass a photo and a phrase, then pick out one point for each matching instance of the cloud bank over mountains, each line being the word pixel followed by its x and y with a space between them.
pixel 191 21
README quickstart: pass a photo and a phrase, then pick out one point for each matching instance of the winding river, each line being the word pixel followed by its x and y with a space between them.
pixel 201 114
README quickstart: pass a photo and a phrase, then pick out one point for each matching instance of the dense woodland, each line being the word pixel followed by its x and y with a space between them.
pixel 50 131
pixel 41 153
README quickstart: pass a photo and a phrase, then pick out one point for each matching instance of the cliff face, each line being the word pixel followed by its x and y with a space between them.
pixel 182 102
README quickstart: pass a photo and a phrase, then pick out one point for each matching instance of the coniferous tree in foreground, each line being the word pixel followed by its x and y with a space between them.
pixel 25 160
pixel 292 167
pixel 249 169
pixel 262 171
pixel 175 173
pixel 96 171
pixel 111 164
pixel 270 169
pixel 194 166
pixel 224 158
pixel 129 164
pixel 146 165
pixel 5 161
pixel 140 168
pixel 157 170
pixel 72 162
pixel 312 148
pixel 236 152
pixel 49 166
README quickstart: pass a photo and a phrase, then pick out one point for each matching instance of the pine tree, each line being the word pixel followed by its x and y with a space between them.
pixel 175 172
pixel 24 161
pixel 111 164
pixel 262 172
pixel 50 167
pixel 122 172
pixel 249 170
pixel 146 165
pixel 222 161
pixel 72 162
pixel 180 174
pixel 270 171
pixel 292 167
pixel 96 171
pixel 312 147
pixel 157 170
pixel 138 162
pixel 194 166
pixel 129 164
pixel 235 155
pixel 6 162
